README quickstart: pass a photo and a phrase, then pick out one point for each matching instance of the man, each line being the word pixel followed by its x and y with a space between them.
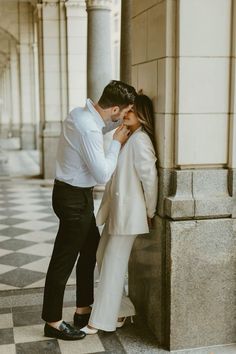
pixel 81 164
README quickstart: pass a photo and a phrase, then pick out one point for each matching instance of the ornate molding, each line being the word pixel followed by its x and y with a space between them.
pixel 98 4
pixel 75 8
pixel 75 3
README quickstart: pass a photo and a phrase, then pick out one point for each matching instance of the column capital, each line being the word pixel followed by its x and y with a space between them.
pixel 75 8
pixel 38 10
pixel 98 5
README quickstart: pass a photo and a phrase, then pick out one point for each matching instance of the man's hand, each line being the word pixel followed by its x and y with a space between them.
pixel 121 134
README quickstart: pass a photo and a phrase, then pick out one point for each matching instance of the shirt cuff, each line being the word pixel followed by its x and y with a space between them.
pixel 115 146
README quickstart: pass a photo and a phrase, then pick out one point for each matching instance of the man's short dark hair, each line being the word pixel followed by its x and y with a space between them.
pixel 117 93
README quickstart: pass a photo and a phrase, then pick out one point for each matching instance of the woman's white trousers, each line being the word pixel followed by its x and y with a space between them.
pixel 112 258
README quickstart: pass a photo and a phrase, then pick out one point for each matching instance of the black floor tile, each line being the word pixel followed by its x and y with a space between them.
pixel 27 318
pixel 51 229
pixel 51 218
pixel 15 245
pixel 9 212
pixel 18 259
pixel 42 347
pixel 21 277
pixel 5 310
pixel 33 308
pixel 11 221
pixel 6 336
pixel 13 231
pixel 111 341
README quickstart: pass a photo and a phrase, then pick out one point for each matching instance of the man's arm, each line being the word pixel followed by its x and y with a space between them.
pixel 102 166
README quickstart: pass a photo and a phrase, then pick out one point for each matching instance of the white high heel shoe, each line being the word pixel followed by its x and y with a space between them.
pixel 120 324
pixel 88 330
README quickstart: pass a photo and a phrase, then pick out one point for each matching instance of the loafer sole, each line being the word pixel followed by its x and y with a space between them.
pixel 64 338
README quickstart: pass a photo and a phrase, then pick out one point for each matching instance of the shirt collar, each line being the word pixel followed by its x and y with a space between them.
pixel 98 119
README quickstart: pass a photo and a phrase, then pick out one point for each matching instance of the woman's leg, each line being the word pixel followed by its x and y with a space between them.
pixel 109 293
pixel 102 246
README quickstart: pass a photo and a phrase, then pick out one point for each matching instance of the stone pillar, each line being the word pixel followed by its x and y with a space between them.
pixel 6 101
pixel 9 101
pixel 125 43
pixel 182 275
pixel 28 141
pixel 99 47
pixel 14 67
pixel 76 52
pixel 52 78
pixel 3 125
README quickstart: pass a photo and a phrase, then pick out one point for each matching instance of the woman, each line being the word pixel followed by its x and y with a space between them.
pixel 127 207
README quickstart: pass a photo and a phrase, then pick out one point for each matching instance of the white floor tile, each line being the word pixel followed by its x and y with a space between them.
pixel 6 320
pixel 5 268
pixel 32 216
pixel 25 208
pixel 7 287
pixel 3 226
pixel 4 238
pixel 38 266
pixel 90 344
pixel 4 252
pixel 37 236
pixel 41 249
pixel 25 334
pixel 35 225
pixel 38 284
pixel 8 349
pixel 20 199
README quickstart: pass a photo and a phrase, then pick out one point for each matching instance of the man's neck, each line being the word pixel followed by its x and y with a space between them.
pixel 102 112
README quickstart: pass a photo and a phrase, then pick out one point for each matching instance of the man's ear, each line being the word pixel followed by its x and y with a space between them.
pixel 115 109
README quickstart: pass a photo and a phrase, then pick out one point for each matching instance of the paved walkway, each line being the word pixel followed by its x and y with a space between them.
pixel 27 231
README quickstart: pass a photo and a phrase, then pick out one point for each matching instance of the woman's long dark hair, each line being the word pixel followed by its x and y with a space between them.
pixel 143 108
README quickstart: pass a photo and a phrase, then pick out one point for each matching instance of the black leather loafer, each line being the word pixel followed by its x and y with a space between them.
pixel 64 332
pixel 81 320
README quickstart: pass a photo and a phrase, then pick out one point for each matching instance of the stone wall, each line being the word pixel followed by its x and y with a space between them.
pixel 182 275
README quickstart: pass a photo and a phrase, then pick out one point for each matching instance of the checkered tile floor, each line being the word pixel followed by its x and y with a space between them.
pixel 21 332
pixel 28 228
pixel 27 231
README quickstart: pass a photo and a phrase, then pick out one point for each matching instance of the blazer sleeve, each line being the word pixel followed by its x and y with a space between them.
pixel 145 165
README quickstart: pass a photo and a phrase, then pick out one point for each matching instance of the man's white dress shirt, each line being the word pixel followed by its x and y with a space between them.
pixel 81 160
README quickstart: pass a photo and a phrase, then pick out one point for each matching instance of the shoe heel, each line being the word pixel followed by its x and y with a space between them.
pixel 132 319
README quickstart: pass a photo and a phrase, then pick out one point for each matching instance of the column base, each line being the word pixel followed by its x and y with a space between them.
pixel 4 131
pixel 3 165
pixel 28 137
pixel 182 275
pixel 50 138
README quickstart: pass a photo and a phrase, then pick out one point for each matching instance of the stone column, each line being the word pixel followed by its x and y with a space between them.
pixel 15 127
pixel 182 275
pixel 4 117
pixel 3 125
pixel 52 78
pixel 28 140
pixel 125 43
pixel 76 52
pixel 99 47
pixel 9 101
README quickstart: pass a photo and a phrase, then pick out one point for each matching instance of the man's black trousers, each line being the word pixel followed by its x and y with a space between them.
pixel 77 235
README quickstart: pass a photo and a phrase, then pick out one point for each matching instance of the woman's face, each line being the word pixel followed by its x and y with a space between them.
pixel 131 120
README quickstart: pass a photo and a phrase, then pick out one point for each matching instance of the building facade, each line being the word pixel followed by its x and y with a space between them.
pixel 182 53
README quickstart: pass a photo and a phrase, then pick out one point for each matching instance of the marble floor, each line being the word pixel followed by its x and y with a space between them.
pixel 27 231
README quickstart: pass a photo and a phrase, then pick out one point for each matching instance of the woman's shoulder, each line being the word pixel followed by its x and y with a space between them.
pixel 141 137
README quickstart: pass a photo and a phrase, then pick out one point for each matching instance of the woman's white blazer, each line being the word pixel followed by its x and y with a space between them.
pixel 131 194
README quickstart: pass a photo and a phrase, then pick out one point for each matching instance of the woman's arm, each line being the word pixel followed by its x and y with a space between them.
pixel 145 165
